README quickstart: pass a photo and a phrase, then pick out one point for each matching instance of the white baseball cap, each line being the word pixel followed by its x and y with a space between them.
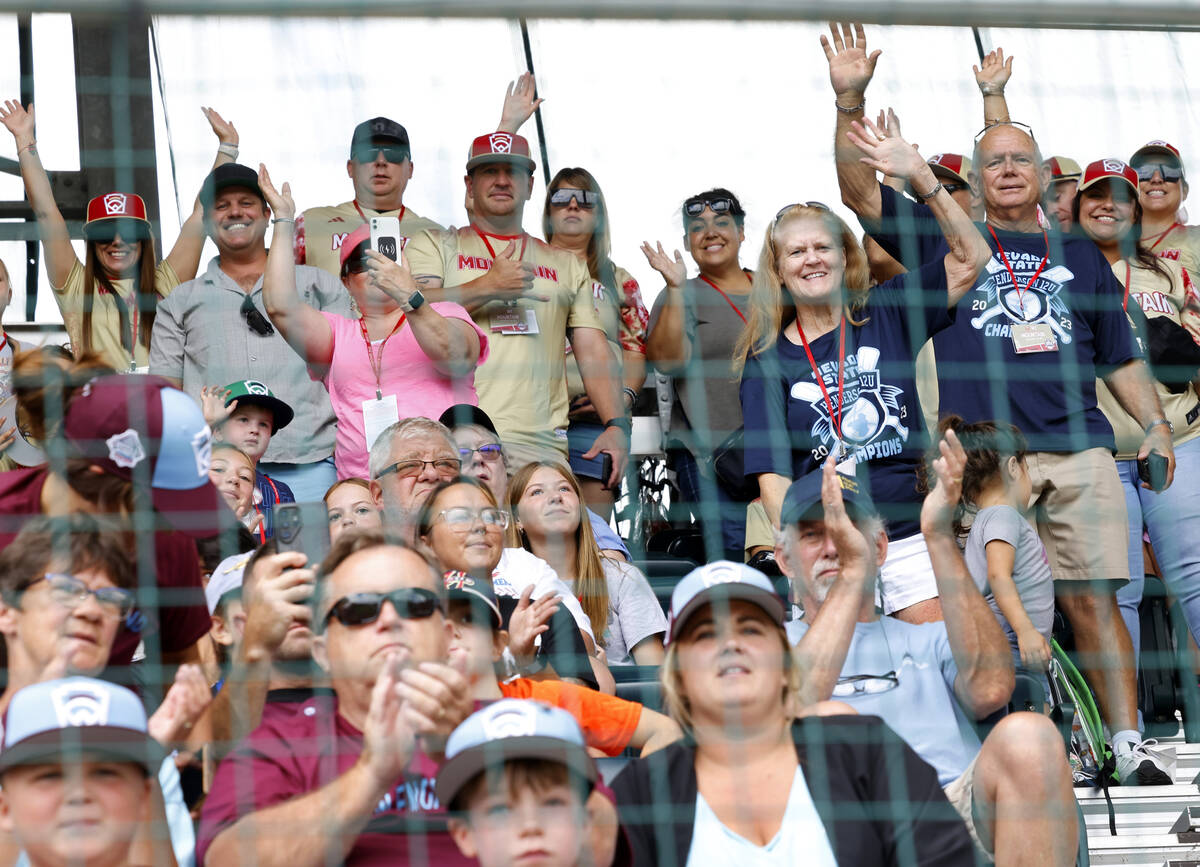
pixel 722 579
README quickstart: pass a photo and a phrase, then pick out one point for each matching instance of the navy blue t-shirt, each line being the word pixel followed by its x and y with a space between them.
pixel 788 428
pixel 1050 396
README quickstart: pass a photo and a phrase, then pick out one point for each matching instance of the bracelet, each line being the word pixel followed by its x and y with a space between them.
pixel 282 220
pixel 927 196
pixel 1154 422
pixel 230 150
pixel 844 110
pixel 633 395
pixel 991 89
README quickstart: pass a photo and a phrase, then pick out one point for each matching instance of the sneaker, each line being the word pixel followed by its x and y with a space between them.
pixel 1145 766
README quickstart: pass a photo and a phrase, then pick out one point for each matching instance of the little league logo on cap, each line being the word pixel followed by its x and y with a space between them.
pixel 500 142
pixel 722 579
pixel 500 147
pixel 125 448
pixel 515 720
pixel 114 204
pixel 256 393
pixel 1109 169
pixel 80 704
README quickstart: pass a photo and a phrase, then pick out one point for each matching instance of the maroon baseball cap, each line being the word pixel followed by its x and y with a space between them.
pixel 143 429
pixel 500 147
pixel 1109 168
pixel 954 165
pixel 1062 169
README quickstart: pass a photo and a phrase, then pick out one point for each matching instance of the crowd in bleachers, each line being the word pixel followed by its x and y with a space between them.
pixel 309 557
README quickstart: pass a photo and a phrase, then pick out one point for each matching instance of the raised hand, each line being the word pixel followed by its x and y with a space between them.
pixel 388 741
pixel 277 599
pixel 529 620
pixel 993 73
pixel 18 120
pixel 884 150
pixel 850 67
pixel 520 102
pixel 281 203
pixel 212 404
pixel 853 548
pixel 394 278
pixel 184 703
pixel 937 512
pixel 224 130
pixel 510 278
pixel 674 271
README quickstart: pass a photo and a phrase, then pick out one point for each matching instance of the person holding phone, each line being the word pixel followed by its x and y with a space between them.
pixel 435 347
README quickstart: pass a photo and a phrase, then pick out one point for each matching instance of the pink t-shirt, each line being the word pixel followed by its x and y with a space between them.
pixel 305 748
pixel 407 373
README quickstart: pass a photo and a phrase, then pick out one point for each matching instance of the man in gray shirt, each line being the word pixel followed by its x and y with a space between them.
pixel 212 330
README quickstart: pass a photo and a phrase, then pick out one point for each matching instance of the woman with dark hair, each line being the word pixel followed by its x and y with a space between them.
pixel 1107 210
pixel 575 219
pixel 108 301
pixel 829 368
pixel 693 327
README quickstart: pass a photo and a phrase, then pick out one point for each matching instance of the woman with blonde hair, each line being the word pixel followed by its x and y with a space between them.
pixel 828 367
pixel 550 520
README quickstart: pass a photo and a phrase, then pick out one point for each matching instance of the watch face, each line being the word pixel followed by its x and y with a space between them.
pixel 416 300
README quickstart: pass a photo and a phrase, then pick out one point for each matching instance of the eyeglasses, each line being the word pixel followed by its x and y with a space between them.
pixel 819 205
pixel 258 323
pixel 360 609
pixel 1024 127
pixel 462 518
pixel 70 592
pixel 106 231
pixel 1171 174
pixel 586 199
pixel 865 684
pixel 408 469
pixel 695 206
pixel 354 266
pixel 491 452
pixel 367 153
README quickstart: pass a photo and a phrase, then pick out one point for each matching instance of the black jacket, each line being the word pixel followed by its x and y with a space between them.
pixel 879 801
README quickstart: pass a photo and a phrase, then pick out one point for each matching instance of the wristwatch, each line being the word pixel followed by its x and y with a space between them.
pixel 1158 421
pixel 415 300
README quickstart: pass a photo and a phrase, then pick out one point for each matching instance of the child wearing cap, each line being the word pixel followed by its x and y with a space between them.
pixel 517 778
pixel 76 772
pixel 108 301
pixel 477 644
pixel 246 414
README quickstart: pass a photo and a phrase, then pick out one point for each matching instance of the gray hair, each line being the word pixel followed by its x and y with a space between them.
pixel 406 428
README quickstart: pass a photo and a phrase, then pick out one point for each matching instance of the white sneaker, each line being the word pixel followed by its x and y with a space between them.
pixel 1145 766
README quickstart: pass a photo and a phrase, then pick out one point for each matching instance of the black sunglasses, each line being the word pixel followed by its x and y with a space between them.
pixel 586 199
pixel 106 231
pixel 360 609
pixel 695 206
pixel 1172 174
pixel 257 322
pixel 391 154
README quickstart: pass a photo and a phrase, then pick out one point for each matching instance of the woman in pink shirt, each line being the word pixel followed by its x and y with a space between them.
pixel 402 357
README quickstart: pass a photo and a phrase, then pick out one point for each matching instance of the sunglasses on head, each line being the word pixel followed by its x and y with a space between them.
pixel 695 206
pixel 360 609
pixel 257 322
pixel 1172 174
pixel 586 199
pixel 391 153
pixel 106 231
pixel 819 205
pixel 1024 127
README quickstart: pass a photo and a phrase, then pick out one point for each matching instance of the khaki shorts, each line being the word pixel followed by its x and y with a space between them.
pixel 1079 506
pixel 961 795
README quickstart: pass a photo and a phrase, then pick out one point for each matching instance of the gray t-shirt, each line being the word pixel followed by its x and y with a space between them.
pixel 1031 569
pixel 707 408
pixel 633 611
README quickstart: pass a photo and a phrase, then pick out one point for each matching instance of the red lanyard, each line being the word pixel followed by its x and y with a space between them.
pixel 524 240
pixel 377 369
pixel 1004 258
pixel 836 421
pixel 1162 235
pixel 727 301
pixel 1128 277
pixel 358 208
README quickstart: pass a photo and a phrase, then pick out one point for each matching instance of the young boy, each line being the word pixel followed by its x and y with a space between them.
pixel 247 414
pixel 516 780
pixel 76 771
pixel 609 724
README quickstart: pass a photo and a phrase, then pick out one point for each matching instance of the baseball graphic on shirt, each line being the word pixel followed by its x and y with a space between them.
pixel 1032 300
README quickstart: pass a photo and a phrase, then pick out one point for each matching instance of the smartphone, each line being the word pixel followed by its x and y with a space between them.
pixel 303 527
pixel 1153 471
pixel 385 237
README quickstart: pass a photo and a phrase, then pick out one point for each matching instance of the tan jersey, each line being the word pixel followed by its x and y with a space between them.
pixel 522 386
pixel 1181 244
pixel 106 315
pixel 320 232
pixel 624 316
pixel 1157 298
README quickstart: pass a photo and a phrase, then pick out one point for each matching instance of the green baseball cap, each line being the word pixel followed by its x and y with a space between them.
pixel 252 391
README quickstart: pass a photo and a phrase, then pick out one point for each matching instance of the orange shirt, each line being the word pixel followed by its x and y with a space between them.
pixel 608 722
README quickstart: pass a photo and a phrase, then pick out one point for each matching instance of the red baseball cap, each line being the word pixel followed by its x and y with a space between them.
pixel 1158 146
pixel 115 206
pixel 951 164
pixel 1063 169
pixel 500 147
pixel 143 429
pixel 1109 168
pixel 350 242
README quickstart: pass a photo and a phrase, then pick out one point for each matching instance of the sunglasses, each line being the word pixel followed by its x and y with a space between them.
pixel 955 187
pixel 70 592
pixel 106 231
pixel 490 453
pixel 695 206
pixel 819 205
pixel 1024 127
pixel 257 322
pixel 586 199
pixel 408 469
pixel 391 154
pixel 1171 174
pixel 865 684
pixel 360 609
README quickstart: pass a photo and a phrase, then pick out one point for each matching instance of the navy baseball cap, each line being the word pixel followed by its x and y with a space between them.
pixel 461 587
pixel 61 719
pixel 512 728
pixel 378 131
pixel 722 579
pixel 229 175
pixel 802 502
pixel 463 414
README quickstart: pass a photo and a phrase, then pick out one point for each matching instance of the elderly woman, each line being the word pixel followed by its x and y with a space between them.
pixel 830 368
pixel 435 347
pixel 1107 210
pixel 750 783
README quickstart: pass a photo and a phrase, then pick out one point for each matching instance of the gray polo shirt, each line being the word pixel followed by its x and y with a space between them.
pixel 201 338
